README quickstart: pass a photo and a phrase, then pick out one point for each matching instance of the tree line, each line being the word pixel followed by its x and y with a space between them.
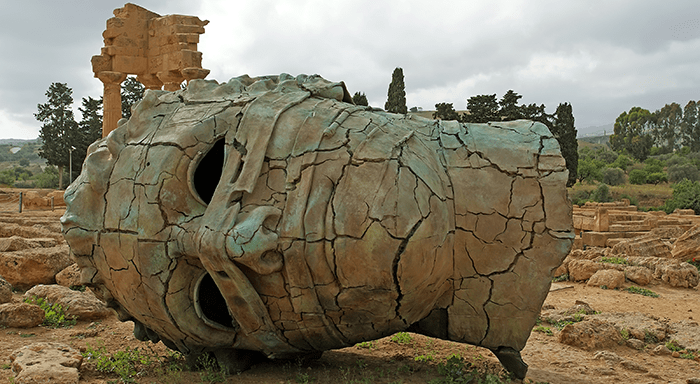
pixel 486 108
pixel 640 133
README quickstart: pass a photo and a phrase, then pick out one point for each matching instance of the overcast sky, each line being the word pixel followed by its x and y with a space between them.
pixel 603 57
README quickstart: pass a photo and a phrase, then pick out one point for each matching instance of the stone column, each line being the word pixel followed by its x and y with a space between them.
pixel 112 99
pixel 171 80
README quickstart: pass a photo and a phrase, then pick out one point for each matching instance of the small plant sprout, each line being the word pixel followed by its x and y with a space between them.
pixel 402 338
pixel 642 291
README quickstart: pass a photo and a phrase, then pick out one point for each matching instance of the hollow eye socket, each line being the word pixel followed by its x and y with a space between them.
pixel 208 172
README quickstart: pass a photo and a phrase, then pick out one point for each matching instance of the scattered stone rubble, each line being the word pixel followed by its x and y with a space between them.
pixel 643 247
pixel 594 331
pixel 32 253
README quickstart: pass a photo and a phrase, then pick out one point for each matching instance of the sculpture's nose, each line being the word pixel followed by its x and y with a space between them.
pixel 252 243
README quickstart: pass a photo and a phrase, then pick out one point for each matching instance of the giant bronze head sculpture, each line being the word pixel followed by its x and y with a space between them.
pixel 273 215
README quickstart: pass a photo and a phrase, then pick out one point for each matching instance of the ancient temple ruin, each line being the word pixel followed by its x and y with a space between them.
pixel 160 50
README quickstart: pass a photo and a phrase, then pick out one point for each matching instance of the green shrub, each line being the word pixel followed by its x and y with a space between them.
pixel 580 197
pixel 679 172
pixel 601 194
pixel 613 176
pixel 638 176
pixel 656 178
pixel 686 195
pixel 54 314
pixel 402 338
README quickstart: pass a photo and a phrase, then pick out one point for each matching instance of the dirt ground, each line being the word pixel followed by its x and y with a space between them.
pixel 407 358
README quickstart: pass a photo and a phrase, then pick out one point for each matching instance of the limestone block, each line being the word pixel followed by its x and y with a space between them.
pixel 607 277
pixel 5 291
pixel 46 363
pixel 687 246
pixel 272 215
pixel 590 335
pixel 81 305
pixel 20 315
pixel 638 275
pixel 69 276
pixel 643 246
pixel 26 268
pixel 580 270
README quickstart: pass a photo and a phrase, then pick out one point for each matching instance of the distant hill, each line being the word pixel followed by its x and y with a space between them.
pixel 595 130
pixel 18 142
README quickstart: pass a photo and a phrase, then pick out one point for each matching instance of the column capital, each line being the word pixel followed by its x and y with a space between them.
pixel 111 77
pixel 192 73
pixel 171 80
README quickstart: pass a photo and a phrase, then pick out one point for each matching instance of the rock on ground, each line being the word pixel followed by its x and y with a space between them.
pixel 590 335
pixel 687 245
pixel 607 277
pixel 46 363
pixel 20 315
pixel 17 243
pixel 580 270
pixel 638 275
pixel 29 267
pixel 638 325
pixel 5 291
pixel 69 276
pixel 83 305
pixel 643 246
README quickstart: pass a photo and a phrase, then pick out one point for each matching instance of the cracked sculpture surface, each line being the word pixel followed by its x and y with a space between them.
pixel 270 216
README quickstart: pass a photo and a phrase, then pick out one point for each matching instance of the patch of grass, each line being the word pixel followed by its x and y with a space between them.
pixel 546 330
pixel 457 370
pixel 5 366
pixel 79 288
pixel 564 277
pixel 27 334
pixel 689 355
pixel 642 291
pixel 129 364
pixel 211 371
pixel 54 314
pixel 649 337
pixel 366 345
pixel 614 260
pixel 402 338
pixel 673 345
pixel 625 333
pixel 425 358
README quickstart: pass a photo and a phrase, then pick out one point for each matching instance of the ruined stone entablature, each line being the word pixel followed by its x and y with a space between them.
pixel 160 50
pixel 606 224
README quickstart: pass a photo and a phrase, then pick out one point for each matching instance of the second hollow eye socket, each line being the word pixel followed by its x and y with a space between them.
pixel 208 172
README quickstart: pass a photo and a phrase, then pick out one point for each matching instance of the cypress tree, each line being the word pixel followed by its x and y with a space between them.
pixel 396 97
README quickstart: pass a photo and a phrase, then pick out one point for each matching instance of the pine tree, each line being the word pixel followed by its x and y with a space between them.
pixel 396 97
pixel 509 108
pixel 59 127
pixel 360 99
pixel 132 93
pixel 565 132
pixel 631 133
pixel 481 109
pixel 445 111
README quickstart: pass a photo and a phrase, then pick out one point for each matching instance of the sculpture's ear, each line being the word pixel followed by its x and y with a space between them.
pixel 253 241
